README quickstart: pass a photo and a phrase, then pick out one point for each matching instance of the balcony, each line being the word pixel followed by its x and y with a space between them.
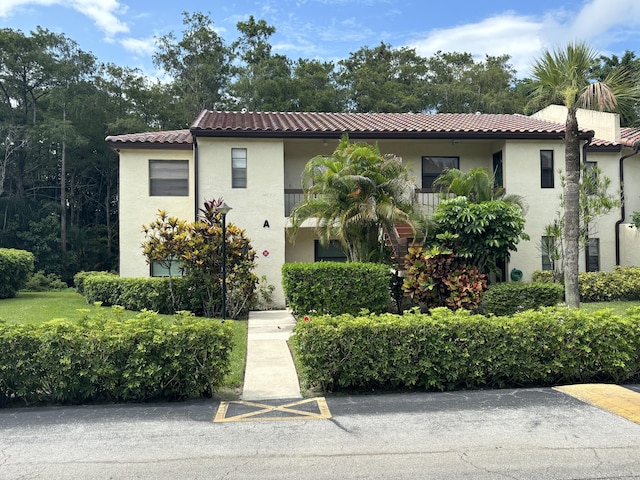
pixel 427 200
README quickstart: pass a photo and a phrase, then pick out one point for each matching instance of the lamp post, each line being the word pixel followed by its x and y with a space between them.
pixel 224 209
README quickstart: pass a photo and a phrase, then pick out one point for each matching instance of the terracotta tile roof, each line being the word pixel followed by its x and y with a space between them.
pixel 442 125
pixel 629 136
pixel 171 138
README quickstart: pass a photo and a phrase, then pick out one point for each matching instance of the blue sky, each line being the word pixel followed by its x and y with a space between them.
pixel 123 31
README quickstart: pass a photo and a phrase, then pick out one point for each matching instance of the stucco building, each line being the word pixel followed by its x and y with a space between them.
pixel 254 161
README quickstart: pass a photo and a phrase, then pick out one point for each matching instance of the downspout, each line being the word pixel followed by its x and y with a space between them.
pixel 196 191
pixel 584 162
pixel 622 209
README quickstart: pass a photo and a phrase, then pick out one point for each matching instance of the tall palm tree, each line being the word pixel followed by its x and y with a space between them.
pixel 564 76
pixel 356 195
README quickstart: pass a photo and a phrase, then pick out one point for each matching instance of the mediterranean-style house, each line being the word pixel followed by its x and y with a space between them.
pixel 254 161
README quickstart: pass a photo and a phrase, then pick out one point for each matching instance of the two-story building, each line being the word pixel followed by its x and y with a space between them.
pixel 254 161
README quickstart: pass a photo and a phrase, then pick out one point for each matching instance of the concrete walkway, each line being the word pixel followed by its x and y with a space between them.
pixel 270 372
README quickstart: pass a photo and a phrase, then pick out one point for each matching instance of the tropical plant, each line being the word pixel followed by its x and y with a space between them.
pixel 356 196
pixel 478 185
pixel 565 76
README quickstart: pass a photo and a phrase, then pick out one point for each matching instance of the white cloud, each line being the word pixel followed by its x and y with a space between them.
pixel 104 13
pixel 139 46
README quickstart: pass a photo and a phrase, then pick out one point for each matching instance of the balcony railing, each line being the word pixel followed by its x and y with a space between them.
pixel 428 201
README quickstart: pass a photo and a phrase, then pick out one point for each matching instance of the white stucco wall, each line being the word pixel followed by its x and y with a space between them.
pixel 629 245
pixel 261 203
pixel 137 207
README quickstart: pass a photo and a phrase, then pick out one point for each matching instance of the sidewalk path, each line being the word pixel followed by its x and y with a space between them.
pixel 270 372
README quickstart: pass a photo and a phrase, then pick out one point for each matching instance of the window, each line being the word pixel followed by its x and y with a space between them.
pixel 239 168
pixel 159 269
pixel 432 167
pixel 590 177
pixel 593 255
pixel 546 169
pixel 498 181
pixel 331 253
pixel 168 178
pixel 548 250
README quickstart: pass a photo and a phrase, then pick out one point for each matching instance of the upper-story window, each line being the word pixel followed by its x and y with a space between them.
pixel 546 169
pixel 168 178
pixel 432 167
pixel 239 168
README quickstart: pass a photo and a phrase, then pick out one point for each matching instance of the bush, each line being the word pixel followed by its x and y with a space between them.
pixel 80 277
pixel 543 276
pixel 438 278
pixel 512 297
pixel 150 293
pixel 623 283
pixel 336 288
pixel 42 282
pixel 456 350
pixel 16 266
pixel 108 360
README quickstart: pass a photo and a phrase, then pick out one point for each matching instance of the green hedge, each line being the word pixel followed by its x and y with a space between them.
pixel 150 293
pixel 511 297
pixel 16 266
pixel 112 361
pixel 336 288
pixel 623 283
pixel 447 350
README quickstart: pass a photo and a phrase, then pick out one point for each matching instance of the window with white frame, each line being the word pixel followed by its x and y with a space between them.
pixel 239 168
pixel 166 268
pixel 432 167
pixel 169 178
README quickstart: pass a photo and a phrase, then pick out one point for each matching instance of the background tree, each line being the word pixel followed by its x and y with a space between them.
pixel 356 195
pixel 199 64
pixel 384 79
pixel 564 76
pixel 316 87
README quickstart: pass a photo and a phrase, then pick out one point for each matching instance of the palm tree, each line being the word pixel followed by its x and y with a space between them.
pixel 564 76
pixel 356 195
pixel 478 185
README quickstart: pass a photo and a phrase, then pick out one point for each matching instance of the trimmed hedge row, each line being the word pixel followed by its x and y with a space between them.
pixel 511 297
pixel 150 293
pixel 112 361
pixel 623 283
pixel 335 288
pixel 447 350
pixel 16 266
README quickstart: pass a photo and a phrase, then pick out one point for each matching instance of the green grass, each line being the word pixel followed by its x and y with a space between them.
pixel 38 307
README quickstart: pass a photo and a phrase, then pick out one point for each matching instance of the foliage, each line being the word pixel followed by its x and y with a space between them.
pixel 108 360
pixel 439 278
pixel 481 233
pixel 543 276
pixel 356 195
pixel 336 288
pixel 384 79
pixel 565 76
pixel 197 247
pixel 623 283
pixel 42 282
pixel 447 350
pixel 508 298
pixel 477 185
pixel 80 277
pixel 16 266
pixel 635 219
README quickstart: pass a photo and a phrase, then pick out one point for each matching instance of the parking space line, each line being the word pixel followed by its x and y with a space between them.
pixel 612 398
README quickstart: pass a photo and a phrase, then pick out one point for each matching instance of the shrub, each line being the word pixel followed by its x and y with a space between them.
pixel 512 297
pixel 623 283
pixel 42 282
pixel 80 277
pixel 108 360
pixel 336 288
pixel 16 266
pixel 543 276
pixel 452 350
pixel 437 278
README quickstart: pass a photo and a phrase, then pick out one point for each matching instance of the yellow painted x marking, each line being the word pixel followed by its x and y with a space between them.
pixel 262 409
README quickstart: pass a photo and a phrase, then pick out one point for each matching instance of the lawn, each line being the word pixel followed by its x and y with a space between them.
pixel 37 307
